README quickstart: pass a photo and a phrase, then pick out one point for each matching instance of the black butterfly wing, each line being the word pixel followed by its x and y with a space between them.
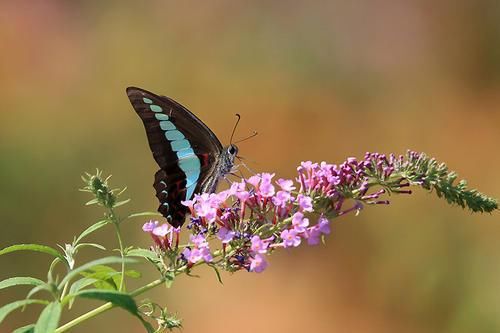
pixel 182 145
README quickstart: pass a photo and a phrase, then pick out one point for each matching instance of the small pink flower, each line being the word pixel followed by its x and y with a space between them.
pixel 188 203
pixel 324 225
pixel 198 241
pixel 313 235
pixel 193 256
pixel 299 222
pixel 254 180
pixel 258 245
pixel 149 226
pixel 258 263
pixel 162 230
pixel 225 235
pixel 206 255
pixel 286 184
pixel 281 199
pixel 290 238
pixel 266 188
pixel 204 209
pixel 237 187
pixel 242 195
pixel 305 203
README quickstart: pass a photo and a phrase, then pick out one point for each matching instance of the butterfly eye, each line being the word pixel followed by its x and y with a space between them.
pixel 231 150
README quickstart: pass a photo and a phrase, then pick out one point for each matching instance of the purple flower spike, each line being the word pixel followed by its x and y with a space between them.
pixel 258 263
pixel 290 238
pixel 247 218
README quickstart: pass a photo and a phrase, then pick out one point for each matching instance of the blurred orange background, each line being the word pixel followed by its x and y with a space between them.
pixel 318 81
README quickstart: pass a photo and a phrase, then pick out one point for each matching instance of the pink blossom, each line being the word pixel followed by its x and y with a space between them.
pixel 299 222
pixel 258 263
pixel 281 199
pixel 225 235
pixel 254 180
pixel 258 245
pixel 162 230
pixel 198 241
pixel 290 238
pixel 286 184
pixel 313 235
pixel 305 203
pixel 266 189
pixel 324 225
pixel 149 226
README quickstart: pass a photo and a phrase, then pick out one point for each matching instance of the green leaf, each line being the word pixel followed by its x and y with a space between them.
pixel 107 277
pixel 49 318
pixel 91 229
pixel 6 309
pixel 98 246
pixel 33 247
pixel 25 329
pixel 41 287
pixel 144 253
pixel 121 203
pixel 219 278
pixel 132 273
pixel 89 265
pixel 143 214
pixel 92 202
pixel 20 280
pixel 122 300
pixel 119 299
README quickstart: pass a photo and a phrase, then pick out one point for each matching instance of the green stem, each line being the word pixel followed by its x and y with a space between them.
pixel 105 307
pixel 116 223
pixel 122 253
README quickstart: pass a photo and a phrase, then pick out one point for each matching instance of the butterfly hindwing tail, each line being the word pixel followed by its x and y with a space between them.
pixel 170 194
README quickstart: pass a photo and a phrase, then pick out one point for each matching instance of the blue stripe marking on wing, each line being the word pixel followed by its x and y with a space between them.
pixel 188 162
pixel 180 145
pixel 155 108
pixel 167 125
pixel 161 116
pixel 174 135
pixel 185 152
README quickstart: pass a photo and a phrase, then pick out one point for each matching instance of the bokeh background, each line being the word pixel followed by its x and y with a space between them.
pixel 317 80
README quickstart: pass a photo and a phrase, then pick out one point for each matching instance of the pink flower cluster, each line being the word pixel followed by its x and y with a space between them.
pixel 255 216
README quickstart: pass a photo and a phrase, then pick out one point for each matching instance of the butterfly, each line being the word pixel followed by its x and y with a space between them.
pixel 191 158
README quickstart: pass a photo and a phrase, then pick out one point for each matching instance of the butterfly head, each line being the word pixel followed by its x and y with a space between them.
pixel 232 150
pixel 230 153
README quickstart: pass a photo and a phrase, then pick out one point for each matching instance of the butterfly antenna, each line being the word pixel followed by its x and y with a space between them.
pixel 248 137
pixel 234 128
